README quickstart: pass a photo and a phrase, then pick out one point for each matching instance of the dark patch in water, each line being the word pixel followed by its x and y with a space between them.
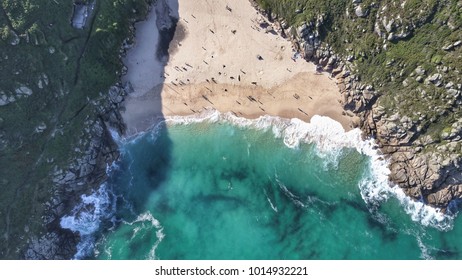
pixel 447 251
pixel 327 209
pixel 154 160
pixel 313 255
pixel 294 227
pixel 155 174
pixel 360 207
pixel 447 254
pixel 239 174
pixel 135 246
pixel 388 234
pixel 292 231
pixel 213 198
pixel 163 207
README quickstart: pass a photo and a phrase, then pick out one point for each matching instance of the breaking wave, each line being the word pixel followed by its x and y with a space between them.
pixel 86 218
pixel 330 139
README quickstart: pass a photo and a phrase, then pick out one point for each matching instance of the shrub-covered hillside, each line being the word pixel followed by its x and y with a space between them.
pixel 54 103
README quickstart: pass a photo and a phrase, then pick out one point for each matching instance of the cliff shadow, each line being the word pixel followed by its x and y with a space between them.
pixel 146 150
pixel 150 154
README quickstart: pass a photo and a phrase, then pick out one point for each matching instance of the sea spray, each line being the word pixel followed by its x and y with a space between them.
pixel 330 138
pixel 143 228
pixel 353 183
pixel 155 224
pixel 87 217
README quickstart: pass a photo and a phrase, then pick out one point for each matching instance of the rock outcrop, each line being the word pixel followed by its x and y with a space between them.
pixel 424 162
pixel 94 152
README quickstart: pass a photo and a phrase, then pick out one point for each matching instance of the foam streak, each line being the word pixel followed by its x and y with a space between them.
pixel 330 138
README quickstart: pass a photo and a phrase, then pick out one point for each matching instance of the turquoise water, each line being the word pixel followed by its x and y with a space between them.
pixel 218 190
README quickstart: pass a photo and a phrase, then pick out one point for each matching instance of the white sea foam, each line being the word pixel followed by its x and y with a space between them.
pixel 87 217
pixel 330 138
pixel 423 249
pixel 295 199
pixel 153 223
pixel 115 136
pixel 275 208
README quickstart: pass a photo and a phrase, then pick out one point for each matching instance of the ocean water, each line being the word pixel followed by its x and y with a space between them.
pixel 222 187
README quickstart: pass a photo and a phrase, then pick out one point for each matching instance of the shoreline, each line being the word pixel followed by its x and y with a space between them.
pixel 260 75
pixel 328 135
pixel 146 100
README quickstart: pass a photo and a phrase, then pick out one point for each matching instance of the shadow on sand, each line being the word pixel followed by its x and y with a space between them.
pixel 149 159
pixel 146 150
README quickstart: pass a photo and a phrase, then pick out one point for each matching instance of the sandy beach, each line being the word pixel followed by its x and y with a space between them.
pixel 224 56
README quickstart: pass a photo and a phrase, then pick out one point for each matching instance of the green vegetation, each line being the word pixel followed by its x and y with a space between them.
pixel 388 64
pixel 56 77
pixel 68 71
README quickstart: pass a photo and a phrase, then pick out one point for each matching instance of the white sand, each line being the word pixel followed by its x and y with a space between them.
pixel 213 64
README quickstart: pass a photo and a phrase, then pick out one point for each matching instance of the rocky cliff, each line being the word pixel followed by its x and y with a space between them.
pixel 59 95
pixel 398 64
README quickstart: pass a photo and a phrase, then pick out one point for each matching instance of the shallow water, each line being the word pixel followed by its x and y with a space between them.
pixel 228 188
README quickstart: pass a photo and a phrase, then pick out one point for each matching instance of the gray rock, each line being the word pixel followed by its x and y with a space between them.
pixel 378 30
pixel 81 12
pixel 116 94
pixel 447 47
pixel 426 140
pixel 14 38
pixel 435 78
pixel 402 35
pixel 331 61
pixel 399 176
pixel 391 37
pixel 302 29
pixel 52 246
pixel 42 81
pixel 453 92
pixel 440 198
pixel 41 127
pixel 4 100
pixel 128 87
pixel 388 26
pixel 445 136
pixel 69 176
pixel 419 71
pixel 23 90
pixel 360 12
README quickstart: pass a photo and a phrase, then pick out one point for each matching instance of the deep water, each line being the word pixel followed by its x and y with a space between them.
pixel 228 188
